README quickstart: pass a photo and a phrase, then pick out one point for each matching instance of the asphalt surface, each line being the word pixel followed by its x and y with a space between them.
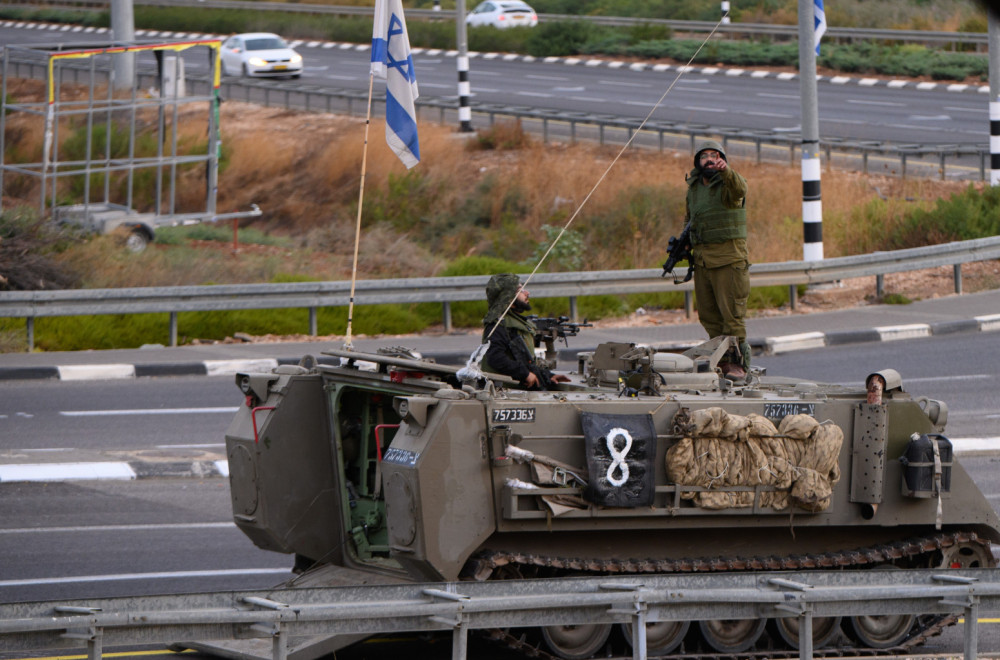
pixel 969 313
pixel 976 312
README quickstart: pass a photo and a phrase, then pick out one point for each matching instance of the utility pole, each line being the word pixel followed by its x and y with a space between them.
pixel 123 32
pixel 812 205
pixel 464 111
pixel 993 22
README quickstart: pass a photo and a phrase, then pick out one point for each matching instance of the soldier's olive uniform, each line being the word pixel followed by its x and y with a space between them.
pixel 512 344
pixel 719 250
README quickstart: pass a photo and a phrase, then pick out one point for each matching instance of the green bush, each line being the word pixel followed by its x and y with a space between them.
pixel 963 216
pixel 562 38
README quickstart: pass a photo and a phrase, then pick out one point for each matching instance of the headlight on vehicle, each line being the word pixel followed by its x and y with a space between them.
pixel 296 58
pixel 257 61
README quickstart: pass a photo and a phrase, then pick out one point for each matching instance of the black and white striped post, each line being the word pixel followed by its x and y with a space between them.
pixel 725 12
pixel 464 111
pixel 993 22
pixel 812 205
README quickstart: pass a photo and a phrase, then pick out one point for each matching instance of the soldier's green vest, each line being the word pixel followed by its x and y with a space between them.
pixel 713 221
pixel 718 225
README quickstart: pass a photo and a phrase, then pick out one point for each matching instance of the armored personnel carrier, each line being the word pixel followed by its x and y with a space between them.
pixel 385 466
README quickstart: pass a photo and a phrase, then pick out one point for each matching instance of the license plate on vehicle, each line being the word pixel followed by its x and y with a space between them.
pixel 280 67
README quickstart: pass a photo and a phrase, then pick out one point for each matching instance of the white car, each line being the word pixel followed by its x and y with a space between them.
pixel 503 14
pixel 259 54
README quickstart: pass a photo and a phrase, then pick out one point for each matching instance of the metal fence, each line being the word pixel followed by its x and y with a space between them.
pixel 750 30
pixel 30 305
pixel 280 614
pixel 960 161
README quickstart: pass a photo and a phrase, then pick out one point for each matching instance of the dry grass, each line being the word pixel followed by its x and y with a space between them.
pixel 303 169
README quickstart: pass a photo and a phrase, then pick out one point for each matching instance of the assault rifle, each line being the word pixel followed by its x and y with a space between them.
pixel 548 330
pixel 679 249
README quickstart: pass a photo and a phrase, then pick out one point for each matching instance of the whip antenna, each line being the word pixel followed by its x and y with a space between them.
pixel 600 180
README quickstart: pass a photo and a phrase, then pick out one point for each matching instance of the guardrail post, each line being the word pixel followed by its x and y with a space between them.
pixel 806 635
pixel 942 166
pixel 95 645
pixel 793 296
pixel 446 312
pixel 572 131
pixel 864 160
pixel 688 304
pixel 639 633
pixel 879 285
pixel 173 328
pixel 460 640
pixel 972 630
pixel 573 312
pixel 957 269
pixel 313 326
pixel 31 332
pixel 279 645
pixel 545 129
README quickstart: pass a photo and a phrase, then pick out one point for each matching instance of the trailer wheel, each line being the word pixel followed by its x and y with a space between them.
pixel 138 239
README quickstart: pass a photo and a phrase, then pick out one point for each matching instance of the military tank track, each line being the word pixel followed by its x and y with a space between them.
pixel 915 551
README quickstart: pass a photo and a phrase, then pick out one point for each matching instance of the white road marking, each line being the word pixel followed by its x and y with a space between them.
pixel 143 576
pixel 888 103
pixel 149 411
pixel 74 529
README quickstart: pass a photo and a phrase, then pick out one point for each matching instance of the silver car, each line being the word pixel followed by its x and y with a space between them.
pixel 257 54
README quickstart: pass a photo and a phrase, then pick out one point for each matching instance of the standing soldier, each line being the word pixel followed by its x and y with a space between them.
pixel 716 209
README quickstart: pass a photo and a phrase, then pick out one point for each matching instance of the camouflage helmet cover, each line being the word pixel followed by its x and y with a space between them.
pixel 500 291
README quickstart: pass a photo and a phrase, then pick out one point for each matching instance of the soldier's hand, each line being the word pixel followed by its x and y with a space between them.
pixel 560 378
pixel 531 380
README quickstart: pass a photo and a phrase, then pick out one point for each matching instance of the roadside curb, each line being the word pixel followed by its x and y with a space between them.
pixel 111 471
pixel 760 346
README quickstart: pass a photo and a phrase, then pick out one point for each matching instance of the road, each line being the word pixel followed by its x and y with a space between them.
pixel 901 115
pixel 114 538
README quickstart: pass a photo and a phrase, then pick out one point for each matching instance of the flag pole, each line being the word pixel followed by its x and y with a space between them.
pixel 361 199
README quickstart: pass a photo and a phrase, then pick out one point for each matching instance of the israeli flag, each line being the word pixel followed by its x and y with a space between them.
pixel 819 22
pixel 391 60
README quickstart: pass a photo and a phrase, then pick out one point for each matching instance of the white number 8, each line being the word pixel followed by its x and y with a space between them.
pixel 618 456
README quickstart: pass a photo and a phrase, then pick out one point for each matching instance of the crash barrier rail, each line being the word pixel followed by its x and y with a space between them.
pixel 751 30
pixel 30 305
pixel 954 160
pixel 280 614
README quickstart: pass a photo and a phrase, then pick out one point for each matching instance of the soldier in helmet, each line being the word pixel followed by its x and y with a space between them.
pixel 716 208
pixel 512 343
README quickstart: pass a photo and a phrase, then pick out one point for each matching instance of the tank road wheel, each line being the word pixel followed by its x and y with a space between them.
pixel 731 635
pixel 825 628
pixel 576 642
pixel 966 555
pixel 879 631
pixel 662 637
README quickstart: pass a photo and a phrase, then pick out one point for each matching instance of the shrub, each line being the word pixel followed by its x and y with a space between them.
pixel 28 247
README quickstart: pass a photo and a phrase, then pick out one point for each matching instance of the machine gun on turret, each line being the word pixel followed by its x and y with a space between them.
pixel 549 329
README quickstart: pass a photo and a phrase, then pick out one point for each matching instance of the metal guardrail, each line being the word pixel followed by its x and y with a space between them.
pixel 30 305
pixel 602 128
pixel 752 30
pixel 278 614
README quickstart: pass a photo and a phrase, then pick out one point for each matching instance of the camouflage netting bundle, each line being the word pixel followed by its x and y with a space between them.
pixel 720 450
